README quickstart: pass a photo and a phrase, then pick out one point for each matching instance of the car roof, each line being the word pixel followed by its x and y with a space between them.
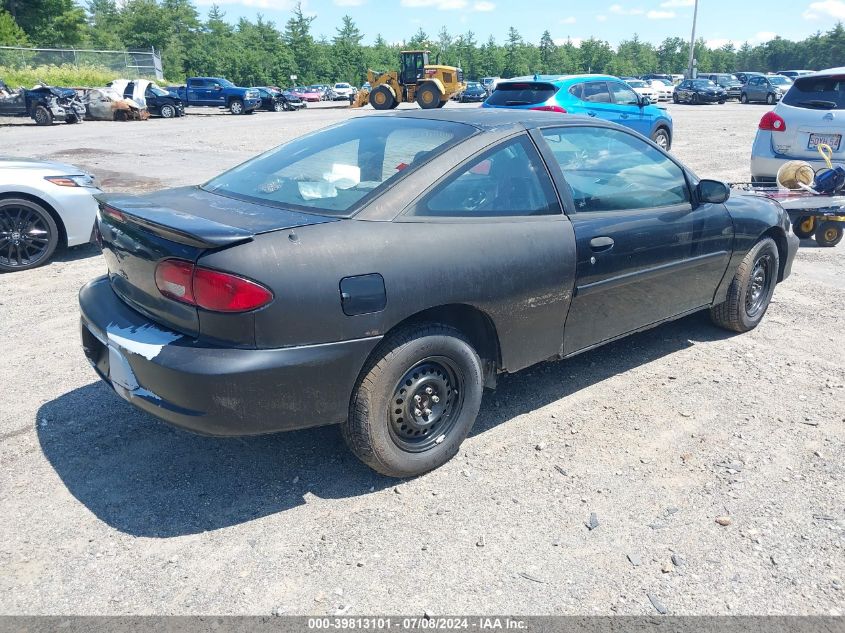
pixel 489 119
pixel 840 70
pixel 560 78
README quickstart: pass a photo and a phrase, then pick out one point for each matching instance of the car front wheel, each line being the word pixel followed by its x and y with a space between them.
pixel 751 289
pixel 743 98
pixel 28 234
pixel 167 111
pixel 415 402
pixel 770 99
pixel 237 106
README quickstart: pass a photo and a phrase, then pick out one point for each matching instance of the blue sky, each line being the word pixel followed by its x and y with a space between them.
pixel 614 20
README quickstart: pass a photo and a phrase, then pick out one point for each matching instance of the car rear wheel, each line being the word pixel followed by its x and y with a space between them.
pixel 662 139
pixel 770 99
pixel 804 227
pixel 236 106
pixel 743 98
pixel 416 401
pixel 751 289
pixel 829 234
pixel 42 115
pixel 28 234
pixel 167 111
pixel 382 99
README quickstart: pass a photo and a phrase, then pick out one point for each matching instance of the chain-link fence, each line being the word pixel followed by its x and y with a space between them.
pixel 128 63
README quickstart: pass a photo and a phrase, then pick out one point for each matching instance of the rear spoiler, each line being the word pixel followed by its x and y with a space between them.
pixel 176 226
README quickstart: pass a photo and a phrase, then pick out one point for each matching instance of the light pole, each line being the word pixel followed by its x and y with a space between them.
pixel 692 42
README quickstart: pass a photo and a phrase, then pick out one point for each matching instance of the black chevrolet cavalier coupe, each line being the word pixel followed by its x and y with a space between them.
pixel 380 273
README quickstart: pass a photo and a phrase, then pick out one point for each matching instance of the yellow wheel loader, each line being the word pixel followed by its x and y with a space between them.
pixel 428 85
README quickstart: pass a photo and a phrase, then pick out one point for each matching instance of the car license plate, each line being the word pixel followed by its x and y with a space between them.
pixel 828 139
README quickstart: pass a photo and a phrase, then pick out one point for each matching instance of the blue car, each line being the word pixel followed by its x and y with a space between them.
pixel 599 96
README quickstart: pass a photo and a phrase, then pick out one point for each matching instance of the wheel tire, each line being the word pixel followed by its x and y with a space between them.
pixel 278 107
pixel 662 139
pixel 442 104
pixel 696 100
pixel 829 234
pixel 675 98
pixel 34 219
pixel 382 99
pixel 804 227
pixel 770 99
pixel 428 96
pixel 373 430
pixel 236 106
pixel 42 116
pixel 722 102
pixel 167 111
pixel 743 98
pixel 744 308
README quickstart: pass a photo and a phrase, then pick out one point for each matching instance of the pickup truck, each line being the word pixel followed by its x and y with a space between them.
pixel 217 92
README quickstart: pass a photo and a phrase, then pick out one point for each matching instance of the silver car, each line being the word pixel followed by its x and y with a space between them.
pixel 765 88
pixel 43 206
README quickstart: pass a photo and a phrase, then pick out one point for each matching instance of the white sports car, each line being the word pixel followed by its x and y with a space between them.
pixel 43 206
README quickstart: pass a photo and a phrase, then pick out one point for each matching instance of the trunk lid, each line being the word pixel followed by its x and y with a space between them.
pixel 814 111
pixel 138 232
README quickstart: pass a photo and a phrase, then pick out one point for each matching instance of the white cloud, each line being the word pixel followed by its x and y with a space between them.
pixel 618 9
pixel 484 5
pixel 349 3
pixel 671 4
pixel 718 42
pixel 830 8
pixel 764 36
pixel 660 15
pixel 280 5
pixel 601 18
pixel 570 20
pixel 440 5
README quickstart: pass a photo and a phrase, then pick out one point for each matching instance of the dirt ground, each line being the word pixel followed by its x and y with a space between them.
pixel 104 510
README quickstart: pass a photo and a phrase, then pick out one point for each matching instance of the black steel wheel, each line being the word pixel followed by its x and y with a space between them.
pixel 751 289
pixel 804 227
pixel 415 402
pixel 28 234
pixel 829 233
pixel 425 402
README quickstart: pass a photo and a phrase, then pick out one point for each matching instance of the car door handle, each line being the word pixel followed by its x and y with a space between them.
pixel 600 244
pixel 624 116
pixel 591 113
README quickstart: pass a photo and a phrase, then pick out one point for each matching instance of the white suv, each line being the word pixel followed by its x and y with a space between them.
pixel 342 91
pixel 811 112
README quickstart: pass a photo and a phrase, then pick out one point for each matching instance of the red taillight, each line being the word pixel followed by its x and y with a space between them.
pixel 111 212
pixel 209 289
pixel 175 279
pixel 772 122
pixel 221 292
pixel 550 108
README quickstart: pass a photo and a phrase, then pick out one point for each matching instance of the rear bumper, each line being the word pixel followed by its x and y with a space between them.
pixel 765 163
pixel 216 390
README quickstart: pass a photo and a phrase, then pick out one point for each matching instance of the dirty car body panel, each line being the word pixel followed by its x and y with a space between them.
pixel 410 217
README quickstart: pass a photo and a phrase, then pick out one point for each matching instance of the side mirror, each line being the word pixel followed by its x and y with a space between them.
pixel 645 101
pixel 713 191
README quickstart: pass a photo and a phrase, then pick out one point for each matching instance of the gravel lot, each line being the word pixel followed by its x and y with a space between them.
pixel 107 511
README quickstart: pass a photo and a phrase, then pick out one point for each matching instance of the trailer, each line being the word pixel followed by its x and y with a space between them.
pixel 812 215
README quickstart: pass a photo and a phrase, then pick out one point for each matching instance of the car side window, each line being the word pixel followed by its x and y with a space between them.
pixel 509 180
pixel 596 92
pixel 623 95
pixel 612 170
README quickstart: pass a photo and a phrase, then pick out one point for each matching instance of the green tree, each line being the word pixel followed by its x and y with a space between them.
pixel 515 62
pixel 297 36
pixel 548 54
pixel 596 56
pixel 10 33
pixel 48 22
pixel 348 53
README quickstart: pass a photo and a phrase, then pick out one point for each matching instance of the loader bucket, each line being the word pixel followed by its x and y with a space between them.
pixel 361 99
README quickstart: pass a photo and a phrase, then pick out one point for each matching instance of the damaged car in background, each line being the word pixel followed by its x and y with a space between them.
pixel 380 273
pixel 147 94
pixel 42 103
pixel 106 104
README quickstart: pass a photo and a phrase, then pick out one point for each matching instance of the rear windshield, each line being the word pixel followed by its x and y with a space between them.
pixel 333 170
pixel 521 93
pixel 819 93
